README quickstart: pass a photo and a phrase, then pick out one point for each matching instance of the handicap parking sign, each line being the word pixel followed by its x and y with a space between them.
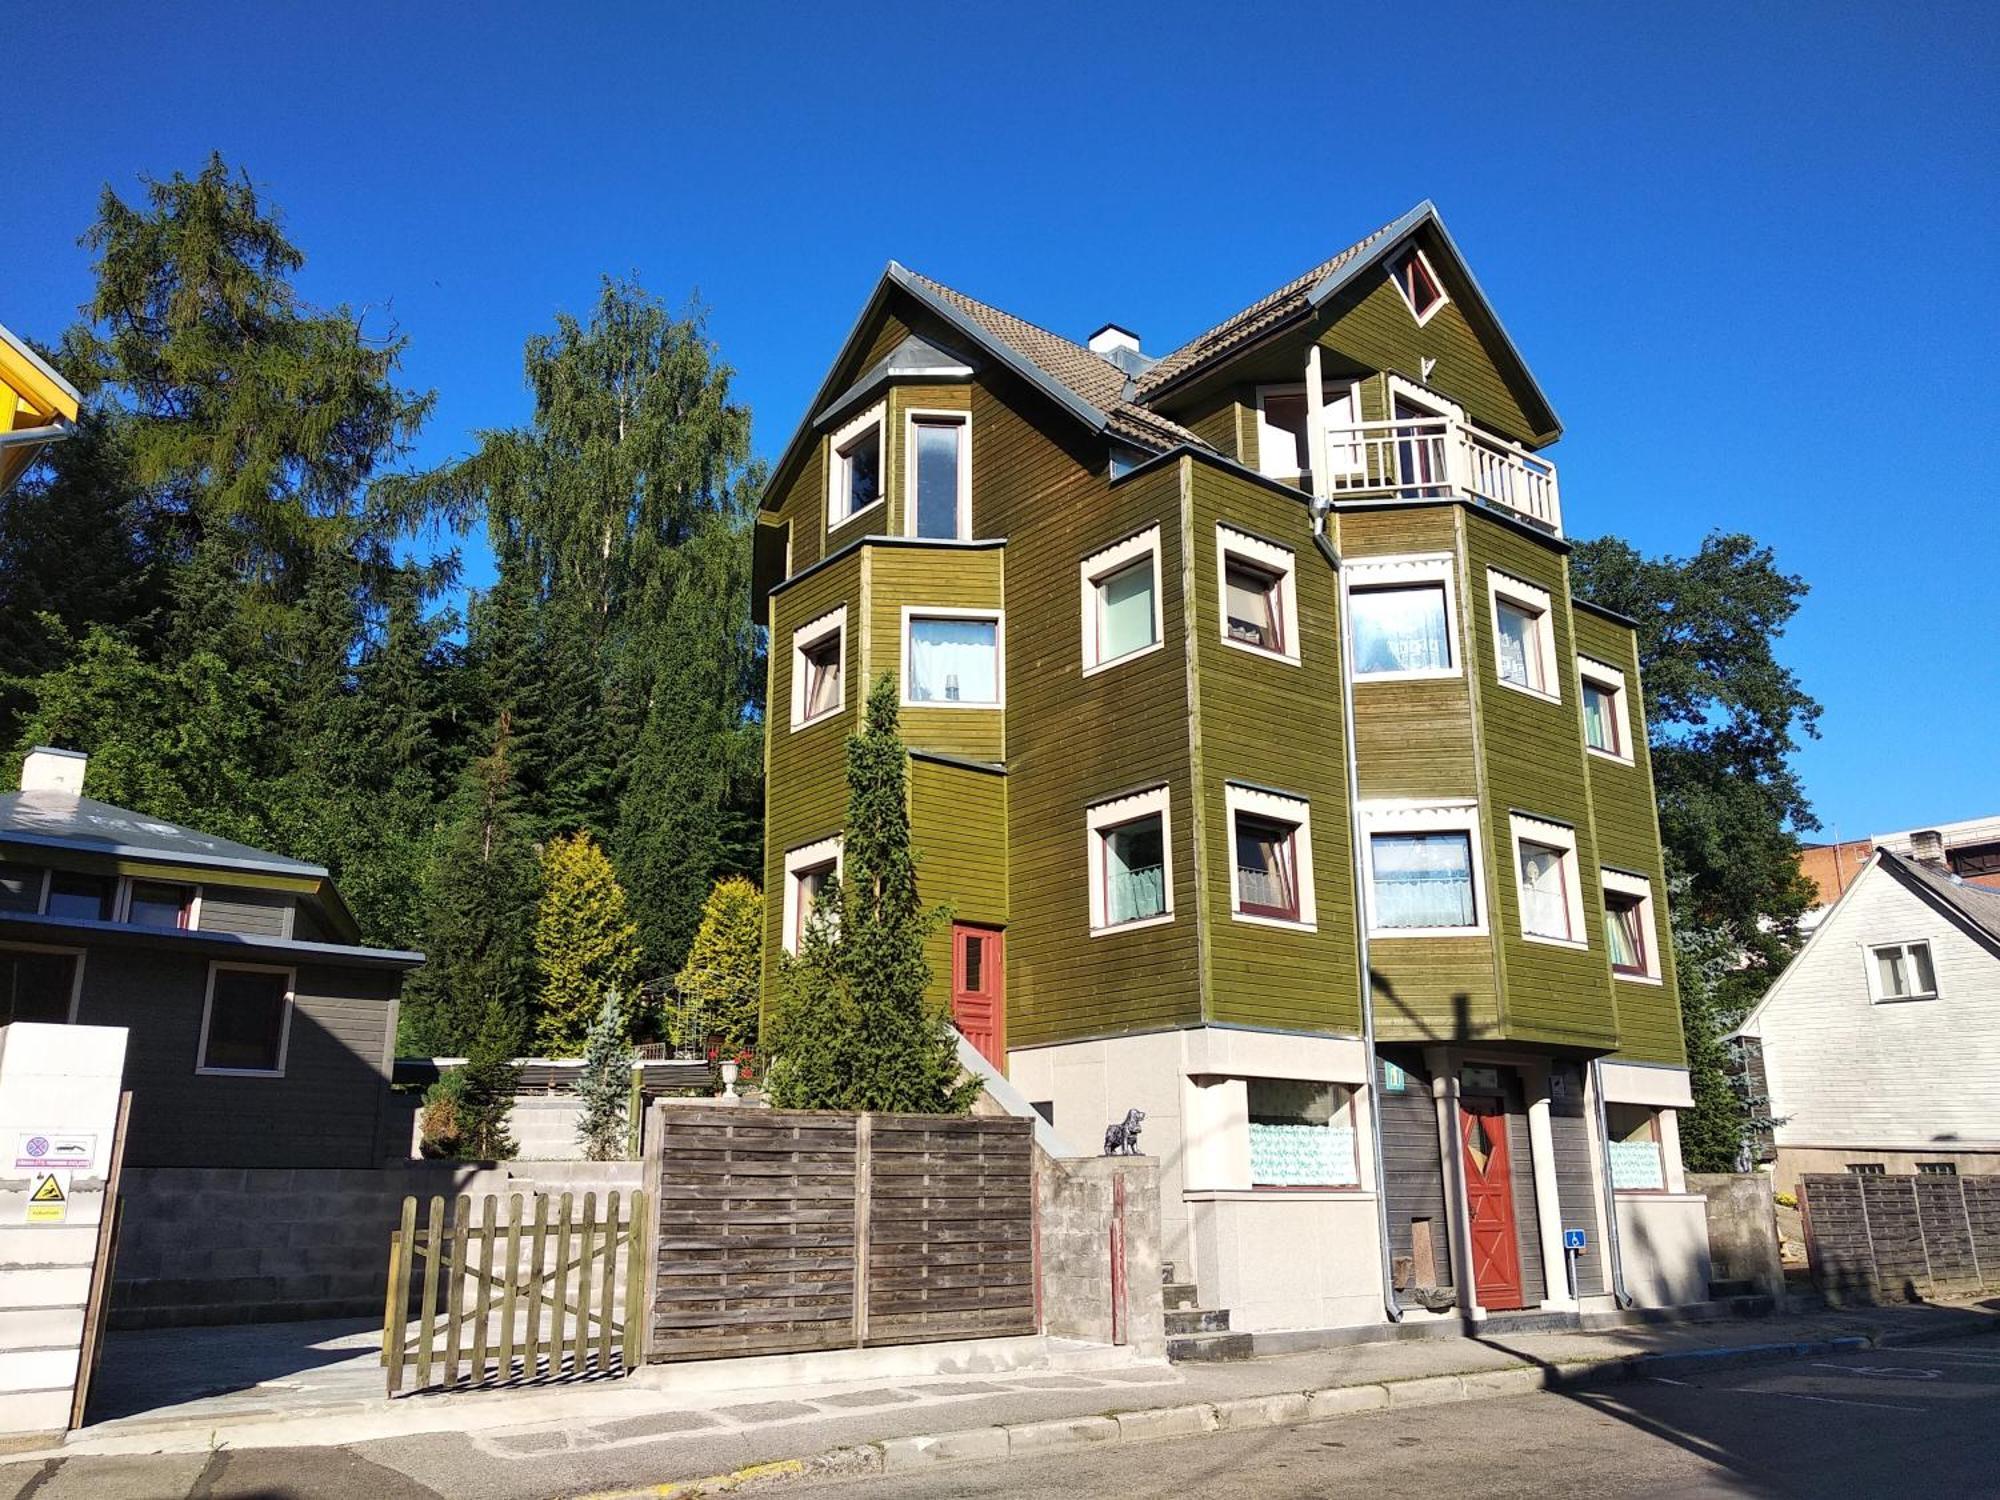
pixel 1573 1239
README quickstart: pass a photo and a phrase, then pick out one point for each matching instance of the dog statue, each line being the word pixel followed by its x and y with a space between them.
pixel 1121 1137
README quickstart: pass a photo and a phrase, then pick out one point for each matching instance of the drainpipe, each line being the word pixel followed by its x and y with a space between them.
pixel 1618 1293
pixel 1321 505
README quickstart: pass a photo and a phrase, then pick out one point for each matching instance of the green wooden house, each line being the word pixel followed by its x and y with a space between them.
pixel 1276 782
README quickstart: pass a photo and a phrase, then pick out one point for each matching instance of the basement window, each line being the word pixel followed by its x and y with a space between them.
pixel 1301 1134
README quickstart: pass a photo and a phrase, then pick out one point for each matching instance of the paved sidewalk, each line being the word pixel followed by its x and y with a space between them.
pixel 628 1437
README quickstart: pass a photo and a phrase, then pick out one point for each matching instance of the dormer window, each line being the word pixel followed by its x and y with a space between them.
pixel 854 477
pixel 1419 285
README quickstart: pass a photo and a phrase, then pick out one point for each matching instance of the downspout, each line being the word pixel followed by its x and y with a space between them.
pixel 1393 1308
pixel 1618 1293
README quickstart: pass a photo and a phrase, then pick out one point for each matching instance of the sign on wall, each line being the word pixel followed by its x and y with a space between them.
pixel 55 1151
pixel 48 1199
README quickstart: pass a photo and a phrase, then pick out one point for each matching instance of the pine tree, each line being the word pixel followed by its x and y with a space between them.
pixel 854 1027
pixel 605 1085
pixel 585 943
pixel 719 983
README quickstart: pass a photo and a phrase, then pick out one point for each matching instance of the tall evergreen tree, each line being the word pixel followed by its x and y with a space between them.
pixel 719 984
pixel 585 943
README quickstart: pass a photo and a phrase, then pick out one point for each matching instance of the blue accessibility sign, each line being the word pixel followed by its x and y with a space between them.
pixel 1573 1239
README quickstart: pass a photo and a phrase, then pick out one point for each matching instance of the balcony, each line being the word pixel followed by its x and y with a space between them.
pixel 1426 458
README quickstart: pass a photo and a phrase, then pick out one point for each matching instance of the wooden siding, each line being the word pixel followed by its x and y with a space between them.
pixel 958 826
pixel 1413 1164
pixel 910 576
pixel 1277 726
pixel 259 913
pixel 1579 1173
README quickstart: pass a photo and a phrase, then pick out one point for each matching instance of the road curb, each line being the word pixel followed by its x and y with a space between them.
pixel 1277 1409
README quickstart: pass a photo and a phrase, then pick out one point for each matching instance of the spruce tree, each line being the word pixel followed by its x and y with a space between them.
pixel 719 984
pixel 585 943
pixel 605 1085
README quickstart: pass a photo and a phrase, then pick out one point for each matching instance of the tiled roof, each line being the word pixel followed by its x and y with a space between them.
pixel 1091 376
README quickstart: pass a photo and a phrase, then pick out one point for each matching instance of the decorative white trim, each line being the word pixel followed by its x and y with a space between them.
pixel 953 612
pixel 1409 570
pixel 1875 995
pixel 837 515
pixel 806 857
pixel 1100 565
pixel 1617 882
pixel 1279 809
pixel 1271 558
pixel 1099 820
pixel 1413 252
pixel 1416 392
pixel 1436 815
pixel 1561 837
pixel 914 417
pixel 1608 680
pixel 1533 600
pixel 284 1026
pixel 76 974
pixel 808 635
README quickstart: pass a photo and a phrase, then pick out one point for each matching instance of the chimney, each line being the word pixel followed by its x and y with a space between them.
pixel 1927 849
pixel 1121 347
pixel 46 770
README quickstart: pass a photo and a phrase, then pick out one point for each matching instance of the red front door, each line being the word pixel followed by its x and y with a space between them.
pixel 977 991
pixel 1489 1199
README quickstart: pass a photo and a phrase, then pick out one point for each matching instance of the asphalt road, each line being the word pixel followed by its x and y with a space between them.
pixel 1920 1422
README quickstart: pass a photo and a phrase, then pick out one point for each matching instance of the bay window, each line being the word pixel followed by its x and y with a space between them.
pixel 951 658
pixel 1423 877
pixel 1301 1134
pixel 1121 601
pixel 1402 615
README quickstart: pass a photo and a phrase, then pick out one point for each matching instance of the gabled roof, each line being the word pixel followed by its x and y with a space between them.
pixel 64 820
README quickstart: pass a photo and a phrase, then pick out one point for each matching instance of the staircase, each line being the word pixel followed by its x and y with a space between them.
pixel 1195 1332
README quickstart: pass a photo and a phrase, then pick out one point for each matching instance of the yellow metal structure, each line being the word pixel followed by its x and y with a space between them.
pixel 37 406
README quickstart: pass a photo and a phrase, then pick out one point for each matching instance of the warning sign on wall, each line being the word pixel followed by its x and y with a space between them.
pixel 48 1199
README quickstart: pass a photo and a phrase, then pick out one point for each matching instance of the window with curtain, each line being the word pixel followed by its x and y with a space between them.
pixel 1636 1163
pixel 808 886
pixel 1400 630
pixel 1600 718
pixel 1903 971
pixel 157 904
pixel 1519 650
pixel 1423 880
pixel 940 443
pixel 1125 613
pixel 35 986
pixel 246 1021
pixel 1301 1134
pixel 1267 883
pixel 954 660
pixel 1134 870
pixel 1544 891
pixel 1625 932
pixel 1252 604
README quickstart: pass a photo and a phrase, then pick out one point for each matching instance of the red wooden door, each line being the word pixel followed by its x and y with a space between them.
pixel 1489 1199
pixel 978 994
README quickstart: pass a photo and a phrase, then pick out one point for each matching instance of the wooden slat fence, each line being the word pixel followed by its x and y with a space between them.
pixel 1883 1238
pixel 543 1294
pixel 782 1231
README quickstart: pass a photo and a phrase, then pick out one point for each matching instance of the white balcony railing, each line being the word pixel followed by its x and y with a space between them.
pixel 1434 457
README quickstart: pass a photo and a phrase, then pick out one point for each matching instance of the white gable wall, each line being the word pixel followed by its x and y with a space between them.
pixel 1904 1075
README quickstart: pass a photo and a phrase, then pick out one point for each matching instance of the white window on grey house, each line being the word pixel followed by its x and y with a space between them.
pixel 1902 971
pixel 940 475
pixel 246 1020
pixel 1301 1134
pixel 951 658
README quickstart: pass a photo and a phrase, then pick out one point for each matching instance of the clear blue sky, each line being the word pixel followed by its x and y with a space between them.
pixel 1749 249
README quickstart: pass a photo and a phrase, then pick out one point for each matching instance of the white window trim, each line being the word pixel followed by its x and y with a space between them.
pixel 121 903
pixel 1411 570
pixel 806 857
pixel 1279 809
pixel 1349 385
pixel 1618 883
pixel 1606 679
pixel 1415 252
pixel 1100 565
pixel 1417 393
pixel 1454 815
pixel 1522 828
pixel 808 635
pixel 953 612
pixel 284 1026
pixel 1875 995
pixel 929 415
pixel 836 465
pixel 1103 816
pixel 1526 596
pixel 1269 556
pixel 81 955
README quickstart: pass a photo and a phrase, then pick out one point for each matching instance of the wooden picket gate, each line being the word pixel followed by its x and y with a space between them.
pixel 521 1319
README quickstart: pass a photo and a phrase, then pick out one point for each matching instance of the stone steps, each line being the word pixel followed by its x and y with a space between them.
pixel 1195 1332
pixel 1186 1347
pixel 1184 1320
pixel 1178 1294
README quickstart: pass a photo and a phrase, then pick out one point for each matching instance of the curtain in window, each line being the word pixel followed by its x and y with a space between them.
pixel 1400 630
pixel 1544 902
pixel 1621 931
pixel 1519 660
pixel 1597 719
pixel 1264 866
pixel 1125 611
pixel 937 479
pixel 1135 873
pixel 1636 1166
pixel 954 661
pixel 1251 605
pixel 1423 880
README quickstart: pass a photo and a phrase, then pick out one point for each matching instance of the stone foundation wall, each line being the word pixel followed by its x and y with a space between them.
pixel 1742 1228
pixel 1076 1200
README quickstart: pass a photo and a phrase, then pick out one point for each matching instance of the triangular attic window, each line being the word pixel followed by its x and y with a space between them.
pixel 1418 284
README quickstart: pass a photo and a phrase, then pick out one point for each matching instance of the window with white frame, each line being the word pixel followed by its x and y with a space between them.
pixel 1259 594
pixel 1424 876
pixel 809 869
pixel 1422 292
pixel 1901 971
pixel 1606 730
pixel 1629 929
pixel 819 677
pixel 1546 875
pixel 939 503
pixel 246 1020
pixel 159 903
pixel 854 471
pixel 1633 1143
pixel 1302 1134
pixel 38 984
pixel 1122 615
pixel 1270 856
pixel 1130 862
pixel 1403 616
pixel 1284 430
pixel 951 657
pixel 1524 641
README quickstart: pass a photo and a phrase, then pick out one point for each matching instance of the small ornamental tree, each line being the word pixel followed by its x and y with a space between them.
pixel 719 982
pixel 585 943
pixel 606 1085
pixel 853 1027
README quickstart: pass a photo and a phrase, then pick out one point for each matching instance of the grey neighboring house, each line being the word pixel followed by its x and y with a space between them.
pixel 261 1032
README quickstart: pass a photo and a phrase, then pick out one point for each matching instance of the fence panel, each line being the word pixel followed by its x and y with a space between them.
pixel 1901 1238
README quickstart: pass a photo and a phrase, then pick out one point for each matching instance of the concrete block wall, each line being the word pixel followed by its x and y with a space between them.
pixel 544 1128
pixel 1742 1228
pixel 1076 1200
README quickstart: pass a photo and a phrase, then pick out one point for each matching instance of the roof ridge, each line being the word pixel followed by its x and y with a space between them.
pixel 1017 318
